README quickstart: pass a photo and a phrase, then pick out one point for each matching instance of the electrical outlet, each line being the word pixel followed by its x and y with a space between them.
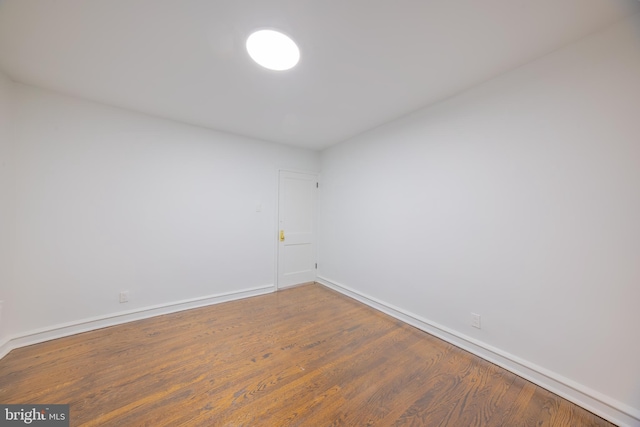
pixel 1 302
pixel 475 320
pixel 124 297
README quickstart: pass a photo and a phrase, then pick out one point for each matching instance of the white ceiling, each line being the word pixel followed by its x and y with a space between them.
pixel 363 62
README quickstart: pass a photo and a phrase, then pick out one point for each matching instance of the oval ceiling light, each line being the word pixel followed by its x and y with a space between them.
pixel 273 50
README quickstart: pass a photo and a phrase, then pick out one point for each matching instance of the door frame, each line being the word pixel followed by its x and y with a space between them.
pixel 276 233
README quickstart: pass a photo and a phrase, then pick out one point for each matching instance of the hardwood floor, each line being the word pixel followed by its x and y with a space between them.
pixel 305 356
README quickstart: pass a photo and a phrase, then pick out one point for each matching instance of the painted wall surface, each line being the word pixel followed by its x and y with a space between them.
pixel 518 200
pixel 6 194
pixel 109 200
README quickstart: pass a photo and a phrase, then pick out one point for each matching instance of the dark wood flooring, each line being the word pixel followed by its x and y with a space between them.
pixel 305 356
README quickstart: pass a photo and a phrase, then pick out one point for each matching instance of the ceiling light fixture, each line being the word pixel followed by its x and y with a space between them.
pixel 273 50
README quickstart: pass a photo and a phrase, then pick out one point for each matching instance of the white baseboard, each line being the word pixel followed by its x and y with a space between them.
pixel 5 348
pixel 99 322
pixel 592 400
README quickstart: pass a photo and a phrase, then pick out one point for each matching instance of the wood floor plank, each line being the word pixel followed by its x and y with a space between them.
pixel 477 404
pixel 305 356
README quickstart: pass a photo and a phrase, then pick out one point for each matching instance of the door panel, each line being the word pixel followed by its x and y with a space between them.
pixel 297 219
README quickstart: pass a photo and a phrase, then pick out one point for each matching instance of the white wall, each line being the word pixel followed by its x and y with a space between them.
pixel 110 200
pixel 518 200
pixel 6 195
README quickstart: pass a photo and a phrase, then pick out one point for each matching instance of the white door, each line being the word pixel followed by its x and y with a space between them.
pixel 297 228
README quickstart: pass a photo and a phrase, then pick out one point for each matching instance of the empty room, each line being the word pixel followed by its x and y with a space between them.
pixel 320 213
